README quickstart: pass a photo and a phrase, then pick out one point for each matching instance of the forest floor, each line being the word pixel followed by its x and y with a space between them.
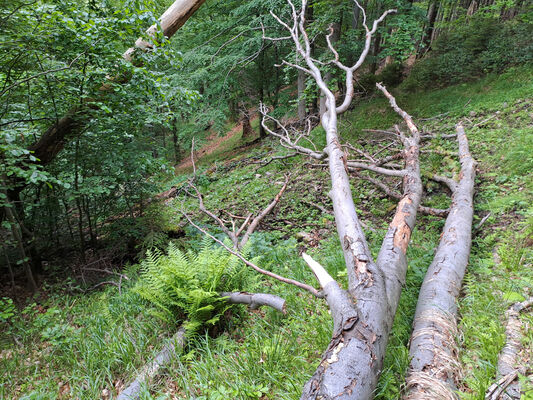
pixel 72 344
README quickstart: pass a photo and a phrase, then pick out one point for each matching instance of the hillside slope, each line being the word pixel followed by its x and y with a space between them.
pixel 90 345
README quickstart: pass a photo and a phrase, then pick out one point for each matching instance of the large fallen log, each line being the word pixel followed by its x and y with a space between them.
pixel 434 368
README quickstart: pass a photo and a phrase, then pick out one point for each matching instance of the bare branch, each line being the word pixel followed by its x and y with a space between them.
pixel 283 157
pixel 192 158
pixel 375 168
pixel 301 285
pixel 221 223
pixel 263 213
pixel 406 117
pixel 320 272
pixel 285 138
pixel 452 185
pixel 437 212
pixel 256 300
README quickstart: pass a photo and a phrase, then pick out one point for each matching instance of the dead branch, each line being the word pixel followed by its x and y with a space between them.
pixel 483 220
pixel 319 207
pixel 437 212
pixel 507 388
pixel 148 372
pixel 301 285
pixel 255 222
pixel 256 300
pixel 238 244
pixel 107 271
pixel 274 158
pixel 449 182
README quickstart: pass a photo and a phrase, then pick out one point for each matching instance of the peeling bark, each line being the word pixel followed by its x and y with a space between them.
pixel 434 370
pixel 363 314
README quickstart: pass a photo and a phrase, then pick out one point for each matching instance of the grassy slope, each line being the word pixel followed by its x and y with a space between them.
pixel 84 344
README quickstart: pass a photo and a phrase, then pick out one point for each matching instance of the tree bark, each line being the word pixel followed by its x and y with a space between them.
pixel 133 391
pixel 301 97
pixel 508 387
pixel 363 314
pixel 328 76
pixel 247 130
pixel 434 367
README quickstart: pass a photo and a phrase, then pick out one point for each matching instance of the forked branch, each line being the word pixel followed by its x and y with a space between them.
pixel 238 244
pixel 280 278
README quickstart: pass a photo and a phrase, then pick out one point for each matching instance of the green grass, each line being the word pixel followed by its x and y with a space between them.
pixel 96 341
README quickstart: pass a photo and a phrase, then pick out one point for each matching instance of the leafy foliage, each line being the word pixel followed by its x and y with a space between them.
pixel 187 285
pixel 471 49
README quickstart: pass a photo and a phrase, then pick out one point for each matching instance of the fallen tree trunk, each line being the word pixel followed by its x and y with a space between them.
pixel 434 368
pixel 133 391
pixel 507 387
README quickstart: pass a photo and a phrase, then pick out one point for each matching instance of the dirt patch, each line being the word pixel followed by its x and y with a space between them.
pixel 214 143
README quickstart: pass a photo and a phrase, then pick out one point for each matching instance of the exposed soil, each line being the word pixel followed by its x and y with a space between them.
pixel 214 142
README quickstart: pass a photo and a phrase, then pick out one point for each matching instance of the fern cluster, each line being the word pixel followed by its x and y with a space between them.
pixel 187 285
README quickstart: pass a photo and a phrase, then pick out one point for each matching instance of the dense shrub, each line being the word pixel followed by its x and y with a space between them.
pixel 471 50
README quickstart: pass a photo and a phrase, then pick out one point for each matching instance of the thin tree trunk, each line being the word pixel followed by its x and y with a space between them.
pixel 8 263
pixel 301 97
pixel 17 236
pixel 78 204
pixel 431 16
pixel 434 368
pixel 68 220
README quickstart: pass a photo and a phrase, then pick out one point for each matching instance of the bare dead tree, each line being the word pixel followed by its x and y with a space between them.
pixel 434 369
pixel 235 233
pixel 362 314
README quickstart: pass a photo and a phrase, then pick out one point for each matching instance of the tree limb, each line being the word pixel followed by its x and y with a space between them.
pixel 301 285
pixel 256 300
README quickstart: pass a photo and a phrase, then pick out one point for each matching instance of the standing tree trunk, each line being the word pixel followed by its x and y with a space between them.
pixel 19 241
pixel 428 32
pixel 247 130
pixel 301 97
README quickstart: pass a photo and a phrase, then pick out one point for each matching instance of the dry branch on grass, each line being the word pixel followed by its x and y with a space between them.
pixel 434 369
pixel 252 224
pixel 507 387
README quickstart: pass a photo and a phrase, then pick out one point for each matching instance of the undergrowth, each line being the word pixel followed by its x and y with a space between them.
pixel 79 345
